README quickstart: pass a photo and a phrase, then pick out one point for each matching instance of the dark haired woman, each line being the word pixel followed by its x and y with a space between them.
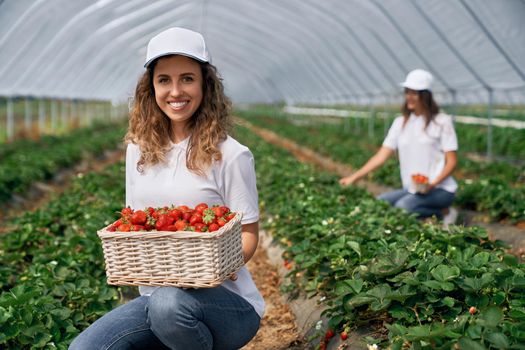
pixel 426 143
pixel 179 152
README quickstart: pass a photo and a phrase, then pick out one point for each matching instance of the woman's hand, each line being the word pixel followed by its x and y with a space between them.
pixel 348 180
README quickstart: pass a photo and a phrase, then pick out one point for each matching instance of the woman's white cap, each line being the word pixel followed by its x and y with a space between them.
pixel 418 79
pixel 177 41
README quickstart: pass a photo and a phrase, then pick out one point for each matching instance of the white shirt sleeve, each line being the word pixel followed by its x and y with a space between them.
pixel 240 187
pixel 449 140
pixel 392 138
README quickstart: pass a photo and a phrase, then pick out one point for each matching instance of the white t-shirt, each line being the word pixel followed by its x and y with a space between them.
pixel 230 182
pixel 423 150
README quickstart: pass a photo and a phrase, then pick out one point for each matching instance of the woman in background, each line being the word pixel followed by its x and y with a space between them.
pixel 426 143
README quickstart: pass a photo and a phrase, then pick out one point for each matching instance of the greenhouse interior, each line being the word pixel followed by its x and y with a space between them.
pixel 339 174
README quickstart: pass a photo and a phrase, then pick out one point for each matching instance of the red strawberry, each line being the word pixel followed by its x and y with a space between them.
pixel 195 218
pixel 181 225
pixel 213 227
pixel 218 211
pixel 200 227
pixel 175 214
pixel 201 207
pixel 124 228
pixel 164 220
pixel 126 211
pixel 139 218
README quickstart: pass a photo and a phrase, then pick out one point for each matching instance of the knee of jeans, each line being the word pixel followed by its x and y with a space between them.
pixel 79 344
pixel 169 304
pixel 406 204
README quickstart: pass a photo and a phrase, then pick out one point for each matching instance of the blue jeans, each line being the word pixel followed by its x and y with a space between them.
pixel 425 205
pixel 174 318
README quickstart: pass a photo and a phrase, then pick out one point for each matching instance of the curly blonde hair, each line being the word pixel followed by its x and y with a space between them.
pixel 150 128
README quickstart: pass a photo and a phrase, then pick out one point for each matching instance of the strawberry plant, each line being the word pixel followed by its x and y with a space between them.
pixel 376 266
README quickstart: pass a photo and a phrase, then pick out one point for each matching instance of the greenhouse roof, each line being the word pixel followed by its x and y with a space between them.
pixel 299 51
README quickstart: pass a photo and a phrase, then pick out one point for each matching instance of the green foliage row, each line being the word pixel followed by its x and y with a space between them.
pixel 26 161
pixel 372 264
pixel 498 189
pixel 52 276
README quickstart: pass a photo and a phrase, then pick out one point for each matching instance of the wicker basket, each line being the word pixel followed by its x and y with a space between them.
pixel 175 259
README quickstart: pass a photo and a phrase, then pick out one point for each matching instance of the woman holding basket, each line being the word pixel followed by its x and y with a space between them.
pixel 426 143
pixel 179 152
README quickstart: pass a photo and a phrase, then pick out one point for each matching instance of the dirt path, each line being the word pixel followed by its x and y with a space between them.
pixel 278 330
pixel 512 235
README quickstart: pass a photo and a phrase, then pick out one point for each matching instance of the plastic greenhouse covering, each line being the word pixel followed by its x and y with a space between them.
pixel 298 51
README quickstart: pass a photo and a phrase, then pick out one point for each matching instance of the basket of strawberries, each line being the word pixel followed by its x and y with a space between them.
pixel 174 246
pixel 420 183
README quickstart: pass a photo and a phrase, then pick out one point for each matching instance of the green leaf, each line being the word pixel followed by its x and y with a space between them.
pixel 62 313
pixel 356 301
pixel 480 259
pixel 469 344
pixel 492 316
pixel 356 247
pixel 448 301
pixel 444 273
pixel 510 260
pixel 499 340
pixel 432 284
pixel 356 285
pixel 396 329
pixel 342 288
pixel 388 265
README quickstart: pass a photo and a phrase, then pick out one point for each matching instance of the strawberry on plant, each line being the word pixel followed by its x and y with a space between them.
pixel 329 334
pixel 344 335
pixel 472 310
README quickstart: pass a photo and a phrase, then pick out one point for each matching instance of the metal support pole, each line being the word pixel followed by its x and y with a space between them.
pixel 489 129
pixel 10 122
pixel 27 114
pixel 74 114
pixel 41 116
pixel 63 115
pixel 370 118
pixel 54 116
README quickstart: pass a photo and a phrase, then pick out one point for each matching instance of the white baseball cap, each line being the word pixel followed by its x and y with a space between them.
pixel 177 41
pixel 418 80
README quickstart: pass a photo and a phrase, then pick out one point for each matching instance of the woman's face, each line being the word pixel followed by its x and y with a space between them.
pixel 412 100
pixel 178 85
